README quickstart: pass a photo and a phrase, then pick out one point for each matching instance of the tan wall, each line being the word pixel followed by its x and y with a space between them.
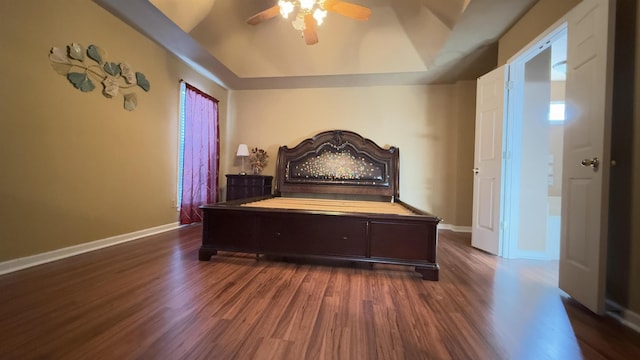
pixel 77 167
pixel 465 140
pixel 422 121
pixel 542 15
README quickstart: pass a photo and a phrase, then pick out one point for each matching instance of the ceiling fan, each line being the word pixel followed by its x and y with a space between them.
pixel 310 14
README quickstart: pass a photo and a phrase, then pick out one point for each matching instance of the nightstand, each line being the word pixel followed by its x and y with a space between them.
pixel 246 186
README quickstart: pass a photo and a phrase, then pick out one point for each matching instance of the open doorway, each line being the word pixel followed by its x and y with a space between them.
pixel 500 195
pixel 534 144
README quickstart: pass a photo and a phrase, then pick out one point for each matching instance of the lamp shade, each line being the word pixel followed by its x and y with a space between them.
pixel 243 150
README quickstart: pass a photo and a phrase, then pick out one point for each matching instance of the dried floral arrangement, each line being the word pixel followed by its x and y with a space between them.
pixel 258 159
pixel 115 77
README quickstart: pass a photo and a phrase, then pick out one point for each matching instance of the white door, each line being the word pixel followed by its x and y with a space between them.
pixel 586 153
pixel 490 110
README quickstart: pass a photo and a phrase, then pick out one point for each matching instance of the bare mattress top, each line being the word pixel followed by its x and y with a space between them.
pixel 332 205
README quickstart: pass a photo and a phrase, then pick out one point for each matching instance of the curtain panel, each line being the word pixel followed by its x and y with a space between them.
pixel 201 154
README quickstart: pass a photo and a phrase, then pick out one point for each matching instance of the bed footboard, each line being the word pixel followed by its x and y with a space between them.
pixel 409 241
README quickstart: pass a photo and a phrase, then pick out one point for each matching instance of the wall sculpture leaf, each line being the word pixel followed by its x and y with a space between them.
pixel 81 81
pixel 130 101
pixel 112 69
pixel 59 61
pixel 142 81
pixel 127 73
pixel 95 53
pixel 76 52
pixel 114 76
pixel 111 87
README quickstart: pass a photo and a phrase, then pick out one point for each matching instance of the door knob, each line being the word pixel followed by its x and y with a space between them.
pixel 475 170
pixel 593 163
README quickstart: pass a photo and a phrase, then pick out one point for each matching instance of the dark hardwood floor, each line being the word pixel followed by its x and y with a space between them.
pixel 153 299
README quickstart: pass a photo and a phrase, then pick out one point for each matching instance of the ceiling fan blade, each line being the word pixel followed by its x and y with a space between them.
pixel 348 9
pixel 310 32
pixel 264 15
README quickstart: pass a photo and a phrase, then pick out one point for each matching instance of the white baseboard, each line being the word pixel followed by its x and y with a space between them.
pixel 624 315
pixel 466 229
pixel 29 261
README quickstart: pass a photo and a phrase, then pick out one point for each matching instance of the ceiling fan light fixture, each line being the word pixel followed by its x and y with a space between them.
pixel 319 15
pixel 298 23
pixel 309 14
pixel 307 4
pixel 286 7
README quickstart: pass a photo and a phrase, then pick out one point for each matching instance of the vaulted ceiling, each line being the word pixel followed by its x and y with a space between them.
pixel 403 42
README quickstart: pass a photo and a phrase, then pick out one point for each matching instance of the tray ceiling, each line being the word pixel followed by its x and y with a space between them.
pixel 404 41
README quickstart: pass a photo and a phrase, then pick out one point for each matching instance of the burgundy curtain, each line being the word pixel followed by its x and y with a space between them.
pixel 201 149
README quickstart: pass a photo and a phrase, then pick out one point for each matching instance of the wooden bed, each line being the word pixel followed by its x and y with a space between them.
pixel 336 196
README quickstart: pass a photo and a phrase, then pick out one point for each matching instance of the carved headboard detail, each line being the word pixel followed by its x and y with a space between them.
pixel 338 162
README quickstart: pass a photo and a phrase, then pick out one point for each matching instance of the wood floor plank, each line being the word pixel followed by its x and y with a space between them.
pixel 153 299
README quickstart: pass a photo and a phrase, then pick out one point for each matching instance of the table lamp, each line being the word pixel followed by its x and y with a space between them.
pixel 243 152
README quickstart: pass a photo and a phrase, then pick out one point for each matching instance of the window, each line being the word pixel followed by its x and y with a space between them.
pixel 556 111
pixel 183 96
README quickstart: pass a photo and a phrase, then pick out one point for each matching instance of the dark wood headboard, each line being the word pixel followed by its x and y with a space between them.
pixel 338 162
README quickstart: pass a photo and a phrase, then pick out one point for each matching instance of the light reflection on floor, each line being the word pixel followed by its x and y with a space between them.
pixel 178 294
pixel 531 308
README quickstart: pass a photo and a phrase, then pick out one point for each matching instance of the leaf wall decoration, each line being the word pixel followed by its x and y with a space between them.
pixel 114 76
pixel 142 81
pixel 111 87
pixel 59 61
pixel 58 55
pixel 95 53
pixel 61 68
pixel 81 81
pixel 127 73
pixel 76 52
pixel 130 101
pixel 112 68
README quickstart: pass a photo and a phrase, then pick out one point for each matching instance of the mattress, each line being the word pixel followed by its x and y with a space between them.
pixel 331 205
